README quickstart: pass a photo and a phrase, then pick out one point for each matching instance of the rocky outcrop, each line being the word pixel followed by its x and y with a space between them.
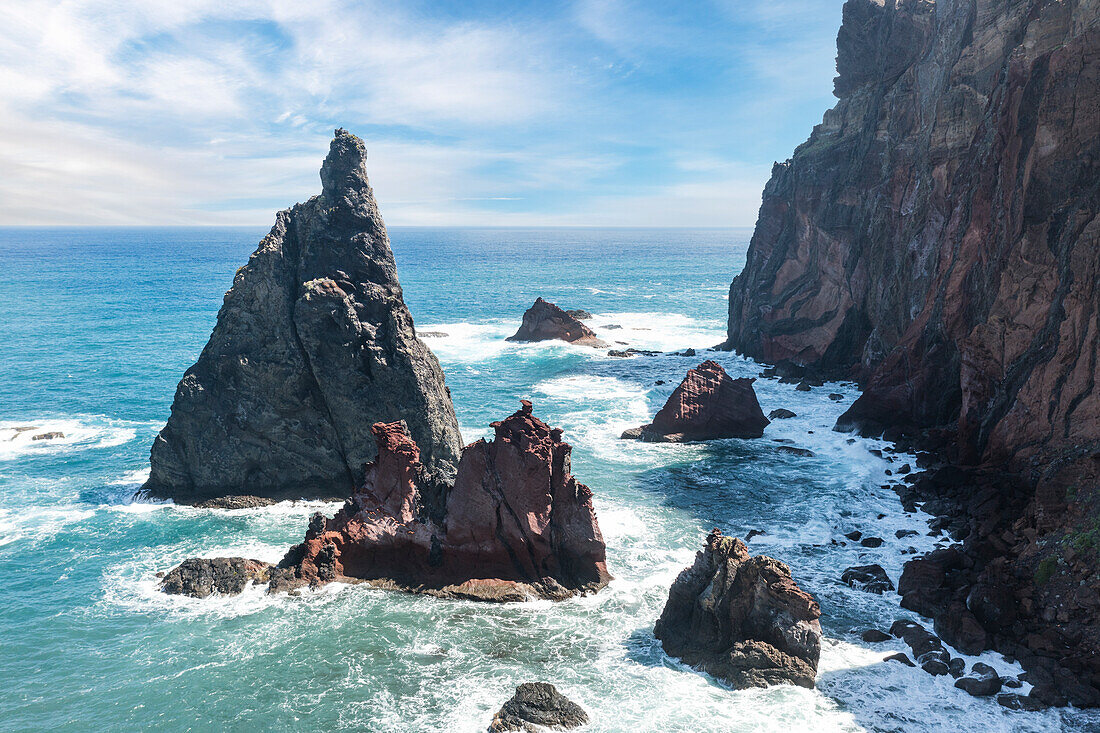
pixel 313 345
pixel 515 524
pixel 201 577
pixel 545 321
pixel 707 405
pixel 235 501
pixel 538 706
pixel 871 578
pixel 937 239
pixel 742 619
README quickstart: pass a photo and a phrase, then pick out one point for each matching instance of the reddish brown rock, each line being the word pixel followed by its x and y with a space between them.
pixel 937 239
pixel 545 321
pixel 515 524
pixel 707 405
pixel 742 619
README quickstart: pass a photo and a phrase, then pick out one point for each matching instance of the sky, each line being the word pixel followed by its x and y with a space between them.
pixel 474 113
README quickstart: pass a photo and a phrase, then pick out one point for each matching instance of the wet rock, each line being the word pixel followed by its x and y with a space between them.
pixel 516 524
pixel 781 414
pixel 903 533
pixel 612 327
pixel 433 334
pixel 313 344
pixel 538 706
pixel 794 451
pixel 900 659
pixel 545 321
pixel 201 577
pixel 871 578
pixel 871 542
pixel 983 681
pixel 52 435
pixel 707 405
pixel 236 501
pixel 835 397
pixel 874 636
pixel 854 535
pixel 580 314
pixel 741 618
pixel 620 354
pixel 803 387
pixel 754 533
pixel 687 352
pixel 1014 701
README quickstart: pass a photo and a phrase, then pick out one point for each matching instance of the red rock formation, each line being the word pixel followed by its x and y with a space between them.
pixel 707 405
pixel 937 238
pixel 742 619
pixel 516 523
pixel 545 321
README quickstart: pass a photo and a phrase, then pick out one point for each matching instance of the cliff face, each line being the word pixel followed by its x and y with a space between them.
pixel 936 237
pixel 312 346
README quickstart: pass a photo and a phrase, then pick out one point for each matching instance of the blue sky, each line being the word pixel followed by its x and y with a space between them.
pixel 612 113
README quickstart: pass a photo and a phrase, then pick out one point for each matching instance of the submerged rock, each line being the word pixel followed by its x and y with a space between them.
pixel 707 405
pixel 52 435
pixel 545 321
pixel 781 414
pixel 741 618
pixel 313 344
pixel 201 577
pixel 516 524
pixel 538 706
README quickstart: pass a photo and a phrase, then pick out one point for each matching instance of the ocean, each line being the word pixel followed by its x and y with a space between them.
pixel 99 325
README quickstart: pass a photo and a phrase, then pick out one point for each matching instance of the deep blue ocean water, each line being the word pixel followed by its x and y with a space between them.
pixel 98 326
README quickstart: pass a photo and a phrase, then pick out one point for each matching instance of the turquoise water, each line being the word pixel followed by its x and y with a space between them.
pixel 100 324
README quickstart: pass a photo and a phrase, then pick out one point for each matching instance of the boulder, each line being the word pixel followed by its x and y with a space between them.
pixel 515 524
pixel 201 577
pixel 874 636
pixel 707 405
pixel 538 706
pixel 983 681
pixel 741 618
pixel 781 414
pixel 52 435
pixel 871 578
pixel 545 321
pixel 313 344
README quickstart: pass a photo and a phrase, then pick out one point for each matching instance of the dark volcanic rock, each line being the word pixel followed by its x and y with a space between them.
pixel 535 706
pixel 516 524
pixel 54 435
pixel 313 345
pixel 580 314
pixel 781 414
pixel 707 405
pixel 741 618
pixel 983 683
pixel 544 321
pixel 874 636
pixel 235 502
pixel 871 578
pixel 937 239
pixel 200 577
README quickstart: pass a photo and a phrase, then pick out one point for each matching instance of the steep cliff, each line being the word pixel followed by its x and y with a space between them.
pixel 937 239
pixel 312 346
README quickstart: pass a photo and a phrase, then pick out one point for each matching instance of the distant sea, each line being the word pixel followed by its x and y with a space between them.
pixel 98 327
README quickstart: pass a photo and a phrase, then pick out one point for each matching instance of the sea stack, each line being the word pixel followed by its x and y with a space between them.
pixel 545 321
pixel 515 525
pixel 707 405
pixel 741 618
pixel 312 346
pixel 937 239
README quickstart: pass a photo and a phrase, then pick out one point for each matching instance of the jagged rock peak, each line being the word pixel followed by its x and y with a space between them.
pixel 313 345
pixel 515 524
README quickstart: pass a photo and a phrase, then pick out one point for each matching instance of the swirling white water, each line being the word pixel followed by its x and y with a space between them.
pixel 90 644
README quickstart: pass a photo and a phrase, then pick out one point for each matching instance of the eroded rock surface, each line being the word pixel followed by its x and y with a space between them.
pixel 741 618
pixel 516 524
pixel 707 405
pixel 313 345
pixel 201 577
pixel 545 321
pixel 538 706
pixel 937 239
